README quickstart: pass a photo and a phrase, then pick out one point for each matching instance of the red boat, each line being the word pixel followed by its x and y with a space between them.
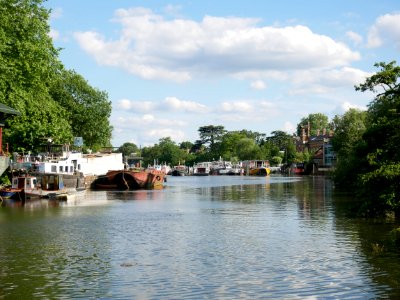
pixel 131 179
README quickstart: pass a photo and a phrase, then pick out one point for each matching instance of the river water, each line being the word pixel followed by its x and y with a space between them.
pixel 214 237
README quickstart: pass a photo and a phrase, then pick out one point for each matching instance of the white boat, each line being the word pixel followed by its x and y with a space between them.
pixel 202 169
pixel 78 170
pixel 166 169
pixel 180 170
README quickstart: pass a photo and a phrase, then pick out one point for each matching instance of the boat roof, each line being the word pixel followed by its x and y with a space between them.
pixel 6 111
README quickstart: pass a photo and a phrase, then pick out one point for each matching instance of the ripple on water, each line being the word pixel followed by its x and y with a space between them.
pixel 247 238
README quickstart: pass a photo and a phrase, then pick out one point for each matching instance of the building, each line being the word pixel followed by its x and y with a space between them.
pixel 320 146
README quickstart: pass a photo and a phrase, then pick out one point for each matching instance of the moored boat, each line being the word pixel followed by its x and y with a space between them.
pixel 256 167
pixel 130 179
pixel 202 169
pixel 77 169
pixel 21 187
pixel 180 170
pixel 49 186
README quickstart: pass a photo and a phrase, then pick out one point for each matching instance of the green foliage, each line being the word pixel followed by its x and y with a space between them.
pixel 166 151
pixel 127 149
pixel 368 145
pixel 28 64
pixel 53 103
pixel 88 108
pixel 317 122
pixel 211 134
pixel 349 130
pixel 381 189
pixel 248 149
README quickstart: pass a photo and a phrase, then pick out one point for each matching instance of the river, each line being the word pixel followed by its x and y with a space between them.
pixel 213 237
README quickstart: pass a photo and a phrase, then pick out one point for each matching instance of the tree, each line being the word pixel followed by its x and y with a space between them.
pixel 349 130
pixel 88 108
pixel 166 151
pixel 211 134
pixel 28 64
pixel 186 146
pixel 230 144
pixel 379 179
pixel 348 144
pixel 280 138
pixel 317 122
pixel 248 149
pixel 127 149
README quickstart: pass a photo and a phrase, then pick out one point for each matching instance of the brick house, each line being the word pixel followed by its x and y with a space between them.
pixel 319 145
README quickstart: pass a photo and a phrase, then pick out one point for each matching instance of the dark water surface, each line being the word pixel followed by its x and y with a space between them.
pixel 209 237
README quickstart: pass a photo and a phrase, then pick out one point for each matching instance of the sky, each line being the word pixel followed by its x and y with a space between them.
pixel 171 67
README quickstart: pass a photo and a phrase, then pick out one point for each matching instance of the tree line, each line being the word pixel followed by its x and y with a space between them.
pixel 217 143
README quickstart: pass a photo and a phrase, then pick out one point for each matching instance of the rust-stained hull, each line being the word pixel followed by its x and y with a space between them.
pixel 131 180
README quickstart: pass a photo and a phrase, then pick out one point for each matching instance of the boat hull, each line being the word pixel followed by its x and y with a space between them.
pixel 131 180
pixel 260 171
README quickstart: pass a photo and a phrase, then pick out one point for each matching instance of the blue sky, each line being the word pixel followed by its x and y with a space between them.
pixel 170 67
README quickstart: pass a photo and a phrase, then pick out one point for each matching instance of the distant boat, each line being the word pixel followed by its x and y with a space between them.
pixel 130 180
pixel 202 169
pixel 256 167
pixel 180 170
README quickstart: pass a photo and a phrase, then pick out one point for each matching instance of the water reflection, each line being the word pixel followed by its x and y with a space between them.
pixel 199 237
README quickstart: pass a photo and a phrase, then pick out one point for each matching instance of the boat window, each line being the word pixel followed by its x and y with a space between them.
pixel 60 168
pixel 66 169
pixel 71 169
pixel 79 167
pixel 54 168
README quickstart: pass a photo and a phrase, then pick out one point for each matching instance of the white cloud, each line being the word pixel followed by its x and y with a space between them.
pixel 345 106
pixel 258 85
pixel 173 10
pixel 56 13
pixel 136 106
pixel 155 48
pixel 326 81
pixel 176 135
pixel 354 37
pixel 174 104
pixel 168 104
pixel 236 107
pixel 289 127
pixel 386 30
